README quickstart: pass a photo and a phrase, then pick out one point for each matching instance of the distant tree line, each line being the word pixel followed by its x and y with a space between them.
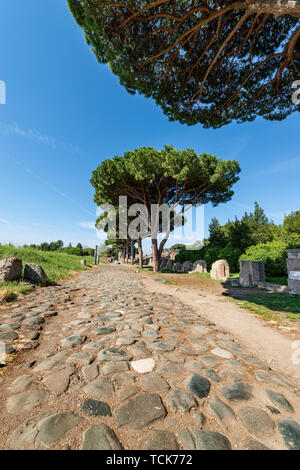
pixel 253 237
pixel 77 250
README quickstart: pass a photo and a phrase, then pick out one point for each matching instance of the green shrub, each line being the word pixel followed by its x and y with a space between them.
pixel 273 254
pixel 189 255
pixel 211 254
pixel 232 256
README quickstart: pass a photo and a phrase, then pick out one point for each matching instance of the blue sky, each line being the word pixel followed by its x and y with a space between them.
pixel 65 113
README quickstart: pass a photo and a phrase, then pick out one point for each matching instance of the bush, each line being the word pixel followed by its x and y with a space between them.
pixel 232 256
pixel 189 255
pixel 211 254
pixel 273 254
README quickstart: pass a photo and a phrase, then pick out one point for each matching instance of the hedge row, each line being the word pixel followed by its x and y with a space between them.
pixel 273 254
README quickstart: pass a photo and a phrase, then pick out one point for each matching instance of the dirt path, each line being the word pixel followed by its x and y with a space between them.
pixel 104 363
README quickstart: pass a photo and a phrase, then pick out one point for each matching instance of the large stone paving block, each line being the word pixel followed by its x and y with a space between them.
pixel 177 400
pixel 237 391
pixel 158 440
pixel 197 385
pixel 57 381
pixel 290 430
pixel 154 383
pixel 100 389
pixel 198 439
pixel 222 413
pixel 140 412
pixel 279 400
pixel 113 354
pixel 256 421
pixel 26 401
pixel 72 341
pixel 54 428
pixel 100 437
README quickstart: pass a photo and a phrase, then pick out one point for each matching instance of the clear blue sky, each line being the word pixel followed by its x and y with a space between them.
pixel 65 113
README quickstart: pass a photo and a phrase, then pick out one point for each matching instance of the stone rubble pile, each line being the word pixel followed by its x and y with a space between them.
pixel 11 270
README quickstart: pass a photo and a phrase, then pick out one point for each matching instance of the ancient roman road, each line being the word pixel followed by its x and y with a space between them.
pixel 105 364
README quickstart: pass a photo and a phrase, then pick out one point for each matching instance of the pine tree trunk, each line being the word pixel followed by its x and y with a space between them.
pixel 132 252
pixel 155 255
pixel 126 253
pixel 140 248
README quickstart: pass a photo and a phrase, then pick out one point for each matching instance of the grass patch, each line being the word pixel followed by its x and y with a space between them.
pixel 234 275
pixel 57 266
pixel 11 290
pixel 283 281
pixel 201 275
pixel 272 306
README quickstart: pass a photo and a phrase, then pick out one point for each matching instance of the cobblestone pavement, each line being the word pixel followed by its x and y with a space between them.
pixel 105 364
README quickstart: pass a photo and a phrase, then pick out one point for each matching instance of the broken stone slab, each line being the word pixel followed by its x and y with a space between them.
pixel 222 353
pixel 142 366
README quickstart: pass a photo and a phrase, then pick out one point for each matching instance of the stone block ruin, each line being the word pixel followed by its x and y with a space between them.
pixel 220 270
pixel 251 273
pixel 293 267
